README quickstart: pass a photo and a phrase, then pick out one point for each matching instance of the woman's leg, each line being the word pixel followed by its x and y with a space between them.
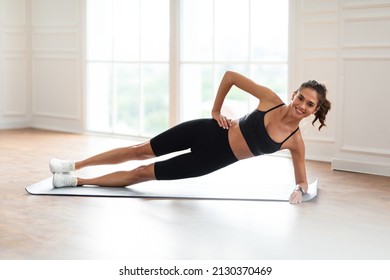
pixel 209 152
pixel 119 155
pixel 121 178
pixel 175 139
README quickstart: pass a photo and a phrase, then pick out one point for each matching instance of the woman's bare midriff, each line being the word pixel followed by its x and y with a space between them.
pixel 237 142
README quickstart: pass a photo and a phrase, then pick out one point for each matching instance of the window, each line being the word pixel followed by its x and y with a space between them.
pixel 129 68
pixel 247 36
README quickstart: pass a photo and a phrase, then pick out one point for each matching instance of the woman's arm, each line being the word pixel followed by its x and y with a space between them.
pixel 298 159
pixel 232 78
pixel 224 87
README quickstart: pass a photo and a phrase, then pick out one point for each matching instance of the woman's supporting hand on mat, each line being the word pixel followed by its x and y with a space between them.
pixel 295 197
pixel 297 194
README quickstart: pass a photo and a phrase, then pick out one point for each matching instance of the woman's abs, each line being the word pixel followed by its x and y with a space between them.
pixel 237 142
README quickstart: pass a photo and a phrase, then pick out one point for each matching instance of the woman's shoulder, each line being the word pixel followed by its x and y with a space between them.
pixel 295 143
pixel 269 103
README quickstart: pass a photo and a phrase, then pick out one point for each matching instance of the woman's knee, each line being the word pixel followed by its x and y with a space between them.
pixel 144 173
pixel 142 151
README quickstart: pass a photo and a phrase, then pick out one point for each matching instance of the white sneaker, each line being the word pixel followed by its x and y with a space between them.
pixel 61 166
pixel 64 180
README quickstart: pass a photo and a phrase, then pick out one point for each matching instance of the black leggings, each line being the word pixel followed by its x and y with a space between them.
pixel 209 144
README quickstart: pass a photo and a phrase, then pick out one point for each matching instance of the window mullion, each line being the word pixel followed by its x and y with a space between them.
pixel 140 75
pixel 213 53
pixel 174 62
pixel 112 86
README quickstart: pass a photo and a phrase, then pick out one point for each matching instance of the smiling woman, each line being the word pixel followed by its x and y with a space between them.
pixel 213 143
pixel 322 105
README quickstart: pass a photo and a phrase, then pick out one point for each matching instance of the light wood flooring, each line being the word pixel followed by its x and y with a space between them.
pixel 350 219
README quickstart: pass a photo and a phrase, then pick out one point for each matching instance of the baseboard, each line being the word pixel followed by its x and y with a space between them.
pixel 361 167
pixel 59 129
pixel 14 125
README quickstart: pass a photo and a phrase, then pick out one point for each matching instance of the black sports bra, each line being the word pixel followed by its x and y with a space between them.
pixel 255 134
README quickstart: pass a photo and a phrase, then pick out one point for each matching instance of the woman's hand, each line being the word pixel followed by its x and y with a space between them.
pixel 296 197
pixel 222 120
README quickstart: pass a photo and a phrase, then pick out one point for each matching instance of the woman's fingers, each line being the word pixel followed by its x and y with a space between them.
pixel 295 197
pixel 224 122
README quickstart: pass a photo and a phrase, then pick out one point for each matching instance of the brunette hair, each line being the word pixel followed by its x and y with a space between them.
pixel 323 105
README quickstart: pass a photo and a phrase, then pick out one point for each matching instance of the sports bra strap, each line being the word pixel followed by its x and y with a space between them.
pixel 292 133
pixel 273 108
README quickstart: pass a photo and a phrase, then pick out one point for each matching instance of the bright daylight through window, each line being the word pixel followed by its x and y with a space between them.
pixel 129 65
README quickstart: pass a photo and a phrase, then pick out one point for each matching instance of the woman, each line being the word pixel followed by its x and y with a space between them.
pixel 215 143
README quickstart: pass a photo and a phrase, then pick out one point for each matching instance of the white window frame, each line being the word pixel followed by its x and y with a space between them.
pixel 175 63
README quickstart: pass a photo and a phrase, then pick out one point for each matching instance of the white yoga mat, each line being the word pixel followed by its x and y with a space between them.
pixel 179 189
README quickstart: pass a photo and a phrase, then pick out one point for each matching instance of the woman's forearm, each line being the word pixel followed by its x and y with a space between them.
pixel 223 89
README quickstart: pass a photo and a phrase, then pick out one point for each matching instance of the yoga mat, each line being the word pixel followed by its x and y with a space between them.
pixel 179 189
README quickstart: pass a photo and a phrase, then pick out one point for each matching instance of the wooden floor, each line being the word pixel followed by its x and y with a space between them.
pixel 350 219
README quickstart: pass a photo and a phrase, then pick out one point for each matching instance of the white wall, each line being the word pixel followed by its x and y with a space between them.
pixel 41 78
pixel 14 64
pixel 57 64
pixel 346 45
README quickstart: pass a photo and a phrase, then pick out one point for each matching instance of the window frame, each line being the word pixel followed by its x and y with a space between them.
pixel 175 65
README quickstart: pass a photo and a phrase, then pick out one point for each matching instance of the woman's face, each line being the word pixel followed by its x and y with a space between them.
pixel 305 102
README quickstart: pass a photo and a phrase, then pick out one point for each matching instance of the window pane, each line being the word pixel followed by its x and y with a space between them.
pixel 99 29
pixel 231 30
pixel 155 116
pixel 236 103
pixel 272 76
pixel 199 88
pixel 99 97
pixel 127 99
pixel 197 91
pixel 154 30
pixel 141 99
pixel 269 29
pixel 126 30
pixel 127 95
pixel 197 30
